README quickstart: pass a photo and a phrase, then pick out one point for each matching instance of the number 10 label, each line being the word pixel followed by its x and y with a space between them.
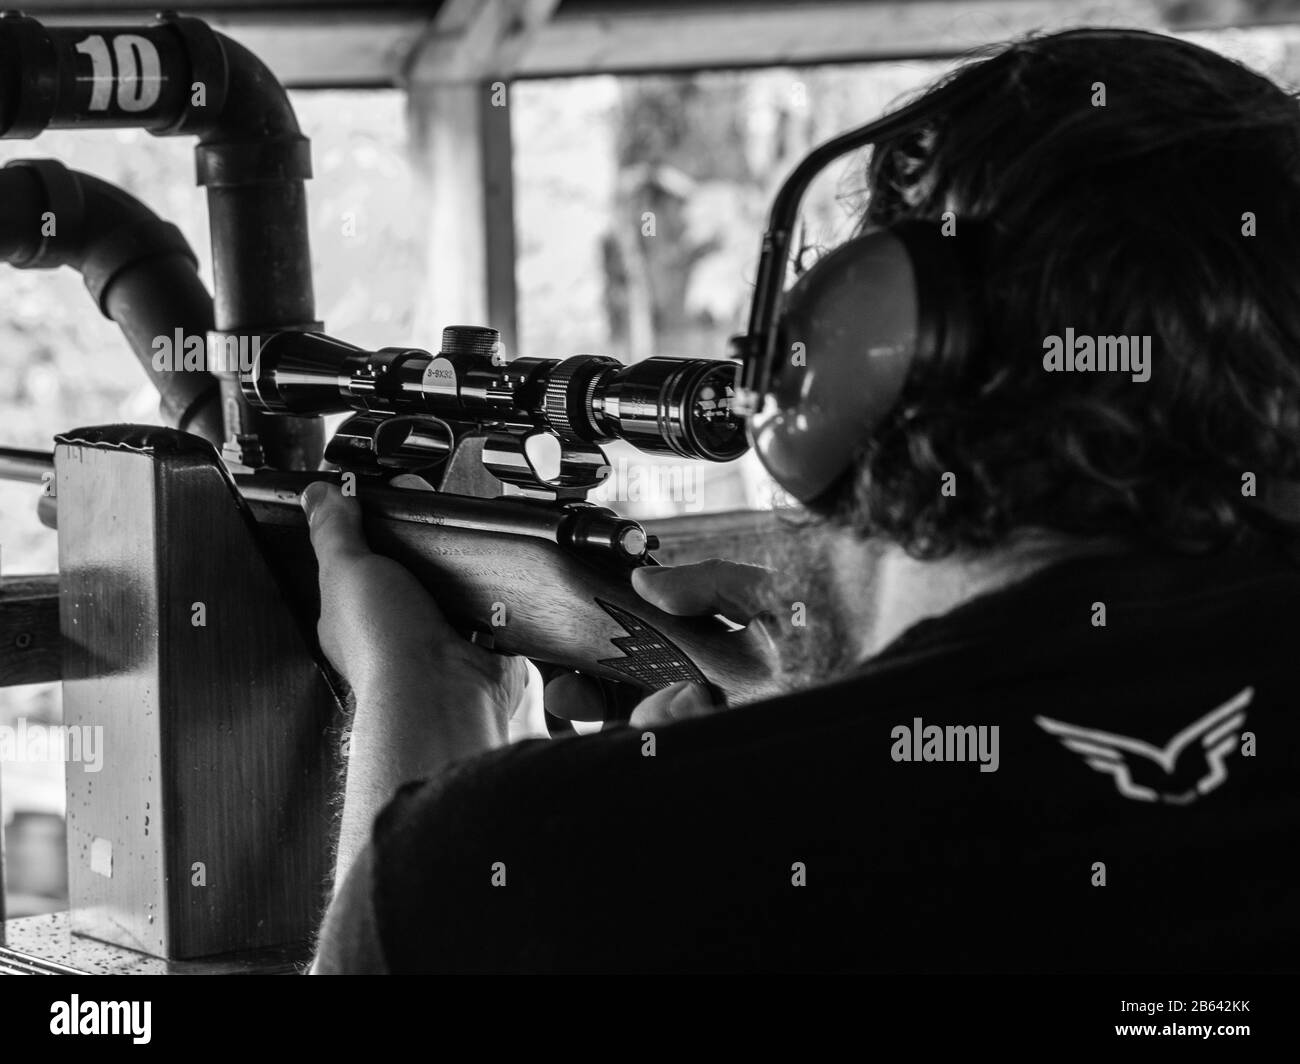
pixel 132 68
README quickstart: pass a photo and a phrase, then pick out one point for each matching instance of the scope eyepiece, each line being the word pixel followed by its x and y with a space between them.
pixel 680 406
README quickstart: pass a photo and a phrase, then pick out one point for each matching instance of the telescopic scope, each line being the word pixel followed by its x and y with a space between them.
pixel 680 406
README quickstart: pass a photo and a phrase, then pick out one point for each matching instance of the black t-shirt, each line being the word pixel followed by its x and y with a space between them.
pixel 1142 814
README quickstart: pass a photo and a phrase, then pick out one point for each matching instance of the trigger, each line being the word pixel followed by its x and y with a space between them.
pixel 619 699
pixel 555 726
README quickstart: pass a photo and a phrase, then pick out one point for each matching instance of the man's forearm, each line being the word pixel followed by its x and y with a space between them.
pixel 402 730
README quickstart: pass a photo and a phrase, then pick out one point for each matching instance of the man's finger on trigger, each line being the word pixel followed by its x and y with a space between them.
pixel 696 701
pixel 334 522
pixel 734 589
pixel 653 709
pixel 571 696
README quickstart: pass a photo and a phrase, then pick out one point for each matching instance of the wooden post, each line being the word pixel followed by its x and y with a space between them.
pixel 457 82
pixel 445 136
pixel 207 830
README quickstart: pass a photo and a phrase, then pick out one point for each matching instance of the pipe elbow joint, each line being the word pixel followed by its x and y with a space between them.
pixel 91 226
pixel 255 139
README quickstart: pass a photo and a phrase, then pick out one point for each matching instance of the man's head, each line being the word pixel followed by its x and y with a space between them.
pixel 1121 187
pixel 1125 187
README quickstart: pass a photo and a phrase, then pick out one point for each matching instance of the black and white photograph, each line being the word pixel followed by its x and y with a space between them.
pixel 650 488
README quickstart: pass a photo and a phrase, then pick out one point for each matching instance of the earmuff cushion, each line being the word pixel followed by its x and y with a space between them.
pixel 945 271
pixel 865 315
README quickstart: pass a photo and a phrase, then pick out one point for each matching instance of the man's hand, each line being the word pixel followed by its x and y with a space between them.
pixel 425 697
pixel 380 628
pixel 736 591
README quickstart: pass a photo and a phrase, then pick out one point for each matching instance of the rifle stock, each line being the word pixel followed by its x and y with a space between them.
pixel 530 596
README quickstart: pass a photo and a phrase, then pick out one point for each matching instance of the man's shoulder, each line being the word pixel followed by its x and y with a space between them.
pixel 522 856
pixel 1154 660
pixel 690 838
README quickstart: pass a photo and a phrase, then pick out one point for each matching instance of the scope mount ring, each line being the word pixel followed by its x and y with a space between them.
pixel 376 442
pixel 582 467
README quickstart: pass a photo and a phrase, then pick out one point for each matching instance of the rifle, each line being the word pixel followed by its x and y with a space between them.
pixel 544 573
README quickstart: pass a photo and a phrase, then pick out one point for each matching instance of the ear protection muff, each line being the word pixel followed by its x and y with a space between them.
pixel 851 330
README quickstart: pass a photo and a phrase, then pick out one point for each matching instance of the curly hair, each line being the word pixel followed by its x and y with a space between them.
pixel 1127 219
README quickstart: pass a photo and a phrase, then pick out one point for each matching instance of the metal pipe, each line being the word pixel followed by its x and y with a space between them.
pixel 139 269
pixel 253 161
pixel 27 467
pixel 179 77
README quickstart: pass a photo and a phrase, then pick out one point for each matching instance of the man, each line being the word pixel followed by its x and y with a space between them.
pixel 1041 714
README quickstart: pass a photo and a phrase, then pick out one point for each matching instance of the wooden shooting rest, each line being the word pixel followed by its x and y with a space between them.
pixel 207 832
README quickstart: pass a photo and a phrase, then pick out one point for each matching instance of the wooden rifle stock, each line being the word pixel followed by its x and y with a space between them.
pixel 524 593
pixel 521 593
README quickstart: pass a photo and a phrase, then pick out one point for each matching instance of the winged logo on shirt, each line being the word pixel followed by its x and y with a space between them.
pixel 1201 748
